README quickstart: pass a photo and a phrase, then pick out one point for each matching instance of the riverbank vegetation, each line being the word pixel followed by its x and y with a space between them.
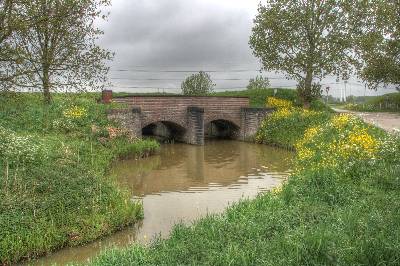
pixel 340 206
pixel 257 97
pixel 384 103
pixel 292 120
pixel 54 186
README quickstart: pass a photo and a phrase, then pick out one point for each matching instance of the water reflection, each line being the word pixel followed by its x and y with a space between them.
pixel 179 167
pixel 186 182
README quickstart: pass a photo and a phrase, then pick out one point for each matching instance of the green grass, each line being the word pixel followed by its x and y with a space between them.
pixel 258 96
pixel 385 103
pixel 286 131
pixel 55 189
pixel 344 211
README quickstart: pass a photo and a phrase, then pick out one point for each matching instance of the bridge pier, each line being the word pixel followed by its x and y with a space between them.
pixel 251 119
pixel 195 125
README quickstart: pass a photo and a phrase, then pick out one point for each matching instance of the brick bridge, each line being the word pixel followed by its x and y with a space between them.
pixel 188 119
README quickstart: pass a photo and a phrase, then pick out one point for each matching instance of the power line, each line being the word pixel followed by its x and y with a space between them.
pixel 185 71
pixel 176 79
pixel 178 88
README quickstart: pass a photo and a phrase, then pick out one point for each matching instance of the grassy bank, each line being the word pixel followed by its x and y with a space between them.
pixel 341 205
pixel 259 96
pixel 385 103
pixel 54 186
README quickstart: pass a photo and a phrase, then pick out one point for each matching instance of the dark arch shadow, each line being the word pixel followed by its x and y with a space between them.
pixel 165 131
pixel 221 129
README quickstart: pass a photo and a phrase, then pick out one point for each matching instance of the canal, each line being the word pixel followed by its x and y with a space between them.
pixel 183 183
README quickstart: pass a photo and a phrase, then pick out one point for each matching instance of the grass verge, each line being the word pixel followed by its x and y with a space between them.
pixel 54 186
pixel 384 103
pixel 341 206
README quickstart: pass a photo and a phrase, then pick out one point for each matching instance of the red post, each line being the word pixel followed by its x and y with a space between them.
pixel 106 96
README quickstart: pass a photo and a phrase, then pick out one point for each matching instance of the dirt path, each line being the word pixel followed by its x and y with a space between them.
pixel 388 121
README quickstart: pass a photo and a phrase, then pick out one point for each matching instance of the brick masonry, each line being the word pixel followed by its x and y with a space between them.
pixel 193 114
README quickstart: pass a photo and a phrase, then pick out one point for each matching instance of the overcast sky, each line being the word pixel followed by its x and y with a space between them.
pixel 163 36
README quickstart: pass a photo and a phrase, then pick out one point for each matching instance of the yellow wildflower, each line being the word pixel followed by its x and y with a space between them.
pixel 278 103
pixel 282 113
pixel 365 141
pixel 304 154
pixel 311 132
pixel 277 190
pixel 340 121
pixel 75 112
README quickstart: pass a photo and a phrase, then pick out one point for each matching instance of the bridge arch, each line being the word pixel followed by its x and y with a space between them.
pixel 222 128
pixel 168 131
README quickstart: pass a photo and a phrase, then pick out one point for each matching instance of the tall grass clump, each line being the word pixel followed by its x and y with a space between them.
pixel 55 190
pixel 340 206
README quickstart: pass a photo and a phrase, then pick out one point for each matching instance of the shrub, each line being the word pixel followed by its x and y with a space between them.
pixel 259 82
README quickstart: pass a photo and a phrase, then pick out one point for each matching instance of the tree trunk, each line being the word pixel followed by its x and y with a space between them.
pixel 46 84
pixel 307 88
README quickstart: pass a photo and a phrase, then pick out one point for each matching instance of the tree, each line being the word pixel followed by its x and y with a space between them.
pixel 259 82
pixel 12 21
pixel 197 84
pixel 307 40
pixel 60 49
pixel 377 26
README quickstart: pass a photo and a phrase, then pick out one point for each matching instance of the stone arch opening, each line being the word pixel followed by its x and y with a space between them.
pixel 165 131
pixel 222 129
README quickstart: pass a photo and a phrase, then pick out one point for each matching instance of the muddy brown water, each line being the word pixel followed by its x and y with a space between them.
pixel 183 183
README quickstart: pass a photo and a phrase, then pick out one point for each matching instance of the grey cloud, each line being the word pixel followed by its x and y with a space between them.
pixel 177 33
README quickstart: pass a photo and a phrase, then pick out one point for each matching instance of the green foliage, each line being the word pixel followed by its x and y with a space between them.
pixel 378 41
pixel 54 187
pixel 385 103
pixel 309 94
pixel 197 84
pixel 336 215
pixel 306 40
pixel 59 49
pixel 259 96
pixel 259 82
pixel 293 122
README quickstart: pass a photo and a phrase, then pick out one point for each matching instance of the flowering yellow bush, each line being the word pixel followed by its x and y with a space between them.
pixel 340 121
pixel 311 132
pixel 344 138
pixel 362 142
pixel 75 112
pixel 282 113
pixel 279 103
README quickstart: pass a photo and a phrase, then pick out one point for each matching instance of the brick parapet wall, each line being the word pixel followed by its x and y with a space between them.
pixel 174 108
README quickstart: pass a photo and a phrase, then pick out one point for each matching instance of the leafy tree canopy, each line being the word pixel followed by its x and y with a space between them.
pixel 197 84
pixel 259 82
pixel 307 40
pixel 57 49
pixel 377 25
